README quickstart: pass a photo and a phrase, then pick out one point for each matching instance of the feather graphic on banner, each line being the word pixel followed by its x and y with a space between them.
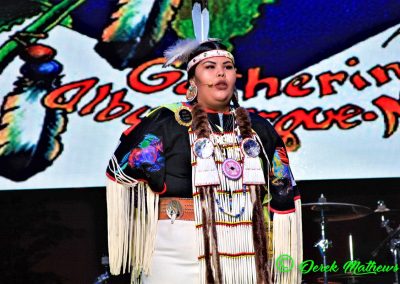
pixel 30 133
pixel 136 27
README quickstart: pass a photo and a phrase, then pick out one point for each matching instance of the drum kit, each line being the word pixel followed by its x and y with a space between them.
pixel 324 212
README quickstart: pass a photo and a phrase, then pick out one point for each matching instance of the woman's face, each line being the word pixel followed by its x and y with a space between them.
pixel 215 79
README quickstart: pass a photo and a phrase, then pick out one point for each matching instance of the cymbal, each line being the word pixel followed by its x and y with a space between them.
pixel 335 211
pixel 383 210
pixel 386 211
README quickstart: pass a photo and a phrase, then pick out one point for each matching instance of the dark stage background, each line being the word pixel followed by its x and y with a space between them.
pixel 59 236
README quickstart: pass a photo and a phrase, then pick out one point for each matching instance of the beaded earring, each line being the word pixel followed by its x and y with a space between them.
pixel 191 93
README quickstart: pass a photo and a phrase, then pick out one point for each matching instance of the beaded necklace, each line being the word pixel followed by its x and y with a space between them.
pixel 223 153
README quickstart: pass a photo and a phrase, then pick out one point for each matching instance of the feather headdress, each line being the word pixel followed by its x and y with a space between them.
pixel 181 50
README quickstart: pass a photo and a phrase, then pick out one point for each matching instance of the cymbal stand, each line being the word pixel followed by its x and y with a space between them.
pixel 393 237
pixel 394 249
pixel 323 243
pixel 393 245
pixel 103 278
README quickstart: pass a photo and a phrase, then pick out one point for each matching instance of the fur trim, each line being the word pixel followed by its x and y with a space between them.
pixel 260 240
pixel 200 122
pixel 215 256
pixel 206 238
pixel 244 123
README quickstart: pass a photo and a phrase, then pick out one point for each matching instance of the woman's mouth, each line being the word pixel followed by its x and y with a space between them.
pixel 221 85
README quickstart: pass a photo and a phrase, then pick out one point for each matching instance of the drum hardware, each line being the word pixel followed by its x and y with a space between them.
pixel 323 244
pixel 384 212
pixel 102 278
pixel 332 212
pixel 393 239
pixel 337 212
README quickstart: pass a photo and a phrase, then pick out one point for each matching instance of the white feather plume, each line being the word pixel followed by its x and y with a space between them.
pixel 180 51
pixel 201 22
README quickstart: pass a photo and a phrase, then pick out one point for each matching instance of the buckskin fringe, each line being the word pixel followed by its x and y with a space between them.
pixel 287 240
pixel 297 204
pixel 260 238
pixel 132 223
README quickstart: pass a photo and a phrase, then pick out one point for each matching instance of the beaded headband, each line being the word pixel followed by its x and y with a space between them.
pixel 208 54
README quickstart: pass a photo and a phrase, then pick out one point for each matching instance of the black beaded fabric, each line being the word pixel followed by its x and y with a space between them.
pixel 177 172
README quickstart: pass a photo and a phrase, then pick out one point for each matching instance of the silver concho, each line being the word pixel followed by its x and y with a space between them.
pixel 203 148
pixel 251 147
pixel 174 210
pixel 232 169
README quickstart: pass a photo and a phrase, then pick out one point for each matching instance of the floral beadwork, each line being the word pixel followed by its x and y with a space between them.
pixel 281 176
pixel 148 154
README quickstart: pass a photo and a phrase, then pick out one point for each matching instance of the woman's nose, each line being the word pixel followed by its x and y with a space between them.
pixel 221 73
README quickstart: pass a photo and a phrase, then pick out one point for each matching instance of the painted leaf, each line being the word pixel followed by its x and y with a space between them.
pixel 229 18
pixel 15 12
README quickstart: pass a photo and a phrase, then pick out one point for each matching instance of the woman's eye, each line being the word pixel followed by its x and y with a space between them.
pixel 210 67
pixel 229 67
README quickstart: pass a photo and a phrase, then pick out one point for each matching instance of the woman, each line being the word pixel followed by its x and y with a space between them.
pixel 198 183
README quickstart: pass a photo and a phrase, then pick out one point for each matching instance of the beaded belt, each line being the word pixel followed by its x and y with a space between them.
pixel 175 208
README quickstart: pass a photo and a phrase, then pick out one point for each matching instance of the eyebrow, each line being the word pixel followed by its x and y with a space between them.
pixel 212 62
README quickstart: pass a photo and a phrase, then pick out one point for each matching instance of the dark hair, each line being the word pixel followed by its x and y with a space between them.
pixel 206 46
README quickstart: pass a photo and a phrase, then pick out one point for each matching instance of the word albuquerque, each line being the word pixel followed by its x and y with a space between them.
pixel 68 96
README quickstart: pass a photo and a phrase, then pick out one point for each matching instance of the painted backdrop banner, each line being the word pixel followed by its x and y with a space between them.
pixel 74 74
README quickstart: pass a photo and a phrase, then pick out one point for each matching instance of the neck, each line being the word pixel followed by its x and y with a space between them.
pixel 212 109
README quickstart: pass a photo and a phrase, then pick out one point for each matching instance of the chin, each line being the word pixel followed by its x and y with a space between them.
pixel 222 102
pixel 223 97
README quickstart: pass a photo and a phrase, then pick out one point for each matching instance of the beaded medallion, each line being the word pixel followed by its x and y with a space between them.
pixel 251 147
pixel 203 148
pixel 232 169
